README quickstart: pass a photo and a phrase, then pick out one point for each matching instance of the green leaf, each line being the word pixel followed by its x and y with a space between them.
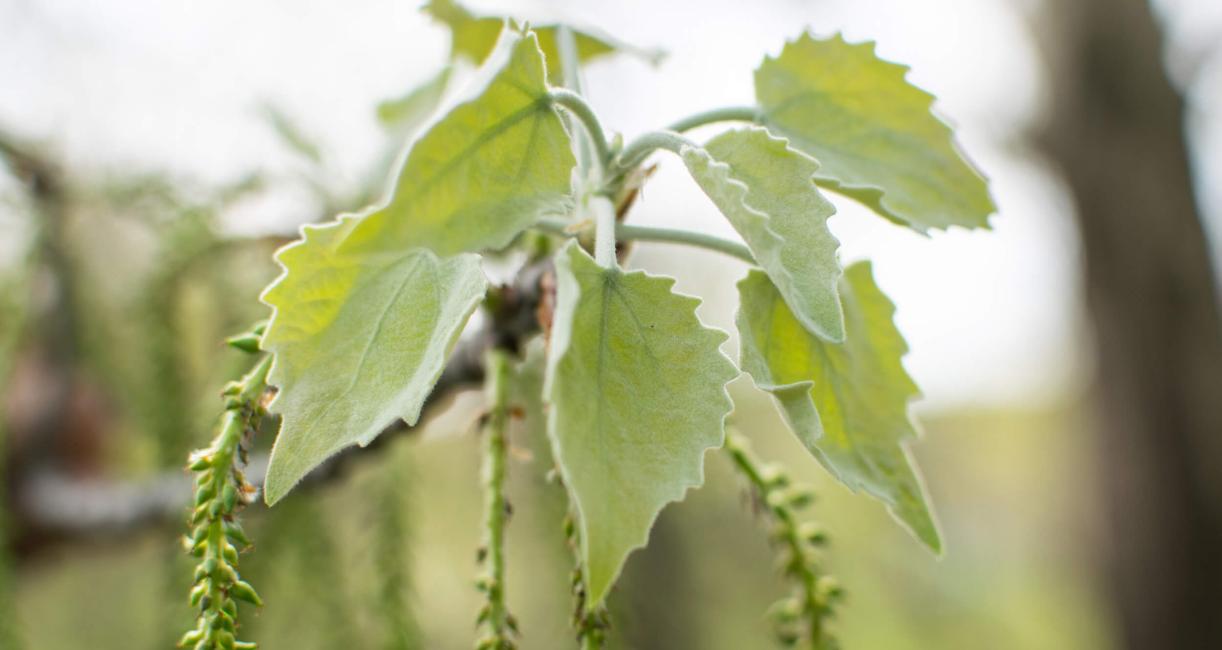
pixel 366 310
pixel 485 171
pixel 873 134
pixel 360 337
pixel 847 403
pixel 637 392
pixel 473 37
pixel 765 190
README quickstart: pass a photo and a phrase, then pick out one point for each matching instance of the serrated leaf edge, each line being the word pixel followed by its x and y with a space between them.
pixel 801 390
pixel 741 190
pixel 865 192
pixel 593 600
pixel 308 232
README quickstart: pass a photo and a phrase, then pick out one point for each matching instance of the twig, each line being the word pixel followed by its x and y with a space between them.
pixel 57 507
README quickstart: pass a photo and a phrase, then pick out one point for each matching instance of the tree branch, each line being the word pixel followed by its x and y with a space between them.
pixel 54 507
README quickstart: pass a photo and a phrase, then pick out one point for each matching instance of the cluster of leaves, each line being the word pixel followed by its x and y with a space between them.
pixel 370 305
pixel 216 537
pixel 803 616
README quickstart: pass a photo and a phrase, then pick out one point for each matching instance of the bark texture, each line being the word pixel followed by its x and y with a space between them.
pixel 1116 130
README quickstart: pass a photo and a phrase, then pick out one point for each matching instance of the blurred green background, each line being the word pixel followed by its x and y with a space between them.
pixel 154 155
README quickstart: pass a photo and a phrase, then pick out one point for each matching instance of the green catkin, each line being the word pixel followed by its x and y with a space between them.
pixel 497 626
pixel 215 537
pixel 800 620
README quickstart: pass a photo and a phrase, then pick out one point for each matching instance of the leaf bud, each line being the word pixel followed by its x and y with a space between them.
pixel 813 533
pixel 800 497
pixel 829 590
pixel 248 342
pixel 785 610
pixel 198 592
pixel 243 591
pixel 774 476
pixel 205 493
pixel 229 497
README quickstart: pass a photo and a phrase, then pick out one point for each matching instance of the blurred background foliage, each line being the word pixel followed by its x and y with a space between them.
pixel 118 284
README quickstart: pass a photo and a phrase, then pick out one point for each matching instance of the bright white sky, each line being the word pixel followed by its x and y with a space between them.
pixel 991 317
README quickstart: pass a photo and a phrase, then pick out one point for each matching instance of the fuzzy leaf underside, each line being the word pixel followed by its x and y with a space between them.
pixel 485 171
pixel 368 307
pixel 360 338
pixel 765 189
pixel 848 402
pixel 636 387
pixel 873 133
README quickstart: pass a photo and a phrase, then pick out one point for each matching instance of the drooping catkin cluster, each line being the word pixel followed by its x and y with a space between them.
pixel 801 618
pixel 216 537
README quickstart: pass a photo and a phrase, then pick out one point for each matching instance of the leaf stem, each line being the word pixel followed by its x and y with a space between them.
pixel 605 226
pixel 815 593
pixel 727 114
pixel 638 150
pixel 495 615
pixel 570 67
pixel 630 232
pixel 577 105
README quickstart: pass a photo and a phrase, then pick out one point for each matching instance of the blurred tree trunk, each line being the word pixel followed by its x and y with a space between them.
pixel 1117 131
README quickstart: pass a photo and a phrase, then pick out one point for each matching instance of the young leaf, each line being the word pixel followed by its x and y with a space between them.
pixel 764 188
pixel 637 392
pixel 366 312
pixel 472 37
pixel 486 171
pixel 360 337
pixel 847 403
pixel 873 134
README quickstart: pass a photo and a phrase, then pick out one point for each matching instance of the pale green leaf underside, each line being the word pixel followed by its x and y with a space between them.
pixel 636 387
pixel 873 133
pixel 847 403
pixel 764 189
pixel 473 37
pixel 360 338
pixel 485 171
pixel 366 312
